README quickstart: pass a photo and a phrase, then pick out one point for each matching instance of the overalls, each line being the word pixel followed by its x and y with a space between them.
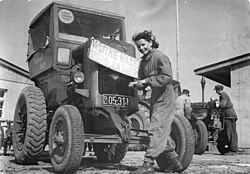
pixel 155 68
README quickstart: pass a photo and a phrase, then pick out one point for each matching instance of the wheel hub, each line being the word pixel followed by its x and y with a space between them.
pixel 59 139
pixel 21 126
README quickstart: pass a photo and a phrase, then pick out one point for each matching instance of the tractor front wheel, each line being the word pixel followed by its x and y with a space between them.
pixel 223 143
pixel 66 139
pixel 29 127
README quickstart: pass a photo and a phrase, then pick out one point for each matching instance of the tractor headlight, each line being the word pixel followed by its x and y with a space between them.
pixel 78 76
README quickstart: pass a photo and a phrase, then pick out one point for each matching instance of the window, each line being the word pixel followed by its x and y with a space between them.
pixel 79 26
pixel 39 33
pixel 2 98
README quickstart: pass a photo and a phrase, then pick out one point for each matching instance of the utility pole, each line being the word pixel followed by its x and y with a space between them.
pixel 177 39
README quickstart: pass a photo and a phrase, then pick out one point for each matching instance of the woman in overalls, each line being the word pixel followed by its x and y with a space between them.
pixel 155 71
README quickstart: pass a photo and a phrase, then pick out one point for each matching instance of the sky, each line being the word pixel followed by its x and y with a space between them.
pixel 209 31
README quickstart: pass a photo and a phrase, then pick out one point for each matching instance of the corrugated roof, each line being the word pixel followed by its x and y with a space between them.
pixel 14 67
pixel 220 71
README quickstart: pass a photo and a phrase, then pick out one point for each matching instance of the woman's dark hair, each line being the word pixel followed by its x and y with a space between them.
pixel 148 36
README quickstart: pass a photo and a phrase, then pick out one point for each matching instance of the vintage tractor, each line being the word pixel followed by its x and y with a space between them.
pixel 6 135
pixel 81 65
pixel 214 121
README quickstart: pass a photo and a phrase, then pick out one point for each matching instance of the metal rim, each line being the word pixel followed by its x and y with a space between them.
pixel 21 124
pixel 136 123
pixel 59 139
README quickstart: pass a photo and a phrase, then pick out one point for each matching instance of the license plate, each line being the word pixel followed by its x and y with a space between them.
pixel 115 100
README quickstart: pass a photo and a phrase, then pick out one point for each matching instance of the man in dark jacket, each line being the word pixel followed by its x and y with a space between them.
pixel 226 107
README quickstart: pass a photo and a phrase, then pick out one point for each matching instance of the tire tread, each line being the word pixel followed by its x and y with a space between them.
pixel 36 126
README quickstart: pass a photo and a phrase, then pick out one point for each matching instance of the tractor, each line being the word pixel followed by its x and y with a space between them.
pixel 214 121
pixel 81 66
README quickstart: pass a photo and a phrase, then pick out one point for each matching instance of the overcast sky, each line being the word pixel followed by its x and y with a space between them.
pixel 209 31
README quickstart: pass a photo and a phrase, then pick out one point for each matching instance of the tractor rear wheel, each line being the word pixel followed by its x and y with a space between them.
pixel 66 139
pixel 183 136
pixel 110 153
pixel 201 137
pixel 29 127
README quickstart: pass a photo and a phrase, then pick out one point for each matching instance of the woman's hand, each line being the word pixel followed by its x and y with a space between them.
pixel 139 85
pixel 132 84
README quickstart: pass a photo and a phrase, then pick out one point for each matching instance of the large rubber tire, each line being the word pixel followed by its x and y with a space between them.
pixel 201 137
pixel 66 139
pixel 140 120
pixel 1 136
pixel 223 143
pixel 110 153
pixel 183 136
pixel 29 127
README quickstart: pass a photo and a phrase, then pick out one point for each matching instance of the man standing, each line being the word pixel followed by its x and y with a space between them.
pixel 183 104
pixel 226 107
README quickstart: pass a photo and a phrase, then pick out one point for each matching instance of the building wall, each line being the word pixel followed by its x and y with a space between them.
pixel 240 95
pixel 13 83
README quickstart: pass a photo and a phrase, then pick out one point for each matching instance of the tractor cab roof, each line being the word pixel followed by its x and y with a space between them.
pixel 77 8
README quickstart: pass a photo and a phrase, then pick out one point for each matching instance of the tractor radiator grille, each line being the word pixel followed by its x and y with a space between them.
pixel 112 82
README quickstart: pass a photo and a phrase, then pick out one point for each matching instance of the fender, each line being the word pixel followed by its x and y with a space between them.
pixel 83 92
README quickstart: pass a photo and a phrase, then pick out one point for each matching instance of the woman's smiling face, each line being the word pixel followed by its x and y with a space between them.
pixel 144 46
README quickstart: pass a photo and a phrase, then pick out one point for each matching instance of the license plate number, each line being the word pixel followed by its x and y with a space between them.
pixel 115 100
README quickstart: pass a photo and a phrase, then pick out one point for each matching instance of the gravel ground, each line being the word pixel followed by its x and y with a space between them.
pixel 210 162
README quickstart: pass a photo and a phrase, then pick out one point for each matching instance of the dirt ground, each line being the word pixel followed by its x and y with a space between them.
pixel 210 162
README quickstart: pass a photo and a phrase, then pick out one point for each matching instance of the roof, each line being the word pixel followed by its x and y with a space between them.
pixel 220 71
pixel 75 6
pixel 13 67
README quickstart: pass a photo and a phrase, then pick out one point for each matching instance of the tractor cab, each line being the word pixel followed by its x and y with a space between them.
pixel 62 38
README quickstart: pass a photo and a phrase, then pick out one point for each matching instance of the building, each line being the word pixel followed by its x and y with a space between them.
pixel 12 80
pixel 234 73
